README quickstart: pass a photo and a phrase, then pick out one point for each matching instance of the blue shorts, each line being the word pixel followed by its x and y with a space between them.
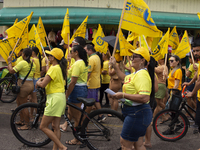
pixel 137 119
pixel 34 82
pixel 93 93
pixel 78 91
pixel 190 87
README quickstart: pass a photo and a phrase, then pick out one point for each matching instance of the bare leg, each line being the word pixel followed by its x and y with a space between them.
pixel 139 144
pixel 46 120
pixel 126 145
pixel 55 125
pixel 147 142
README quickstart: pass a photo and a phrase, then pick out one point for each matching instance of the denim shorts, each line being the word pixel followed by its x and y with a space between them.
pixel 137 119
pixel 190 87
pixel 34 82
pixel 93 93
pixel 78 91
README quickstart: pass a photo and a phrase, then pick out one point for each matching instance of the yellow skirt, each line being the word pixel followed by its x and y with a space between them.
pixel 55 105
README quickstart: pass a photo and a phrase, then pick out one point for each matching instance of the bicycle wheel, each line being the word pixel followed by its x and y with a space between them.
pixel 172 129
pixel 102 133
pixel 33 136
pixel 7 96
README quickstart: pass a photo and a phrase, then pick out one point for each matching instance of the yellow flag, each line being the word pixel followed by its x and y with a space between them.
pixel 16 20
pixel 6 47
pixel 18 29
pixel 34 39
pixel 41 31
pixel 143 42
pixel 66 27
pixel 124 45
pixel 132 36
pixel 149 41
pixel 198 14
pixel 81 31
pixel 162 47
pixel 173 39
pixel 184 46
pixel 137 18
pixel 100 45
pixel 155 42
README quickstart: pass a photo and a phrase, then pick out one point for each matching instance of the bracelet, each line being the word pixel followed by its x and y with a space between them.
pixel 9 63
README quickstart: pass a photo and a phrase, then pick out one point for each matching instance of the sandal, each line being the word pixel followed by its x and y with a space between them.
pixel 19 123
pixel 73 143
pixel 24 127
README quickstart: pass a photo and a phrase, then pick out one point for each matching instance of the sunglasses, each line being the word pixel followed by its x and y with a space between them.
pixel 136 56
pixel 171 61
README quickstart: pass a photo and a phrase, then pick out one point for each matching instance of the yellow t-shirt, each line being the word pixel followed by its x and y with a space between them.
pixel 171 79
pixel 23 68
pixel 57 84
pixel 198 74
pixel 191 69
pixel 18 60
pixel 105 77
pixel 94 67
pixel 137 83
pixel 80 70
pixel 37 70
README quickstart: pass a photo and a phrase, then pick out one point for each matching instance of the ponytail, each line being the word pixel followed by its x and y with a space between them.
pixel 151 68
pixel 63 66
pixel 28 53
pixel 36 50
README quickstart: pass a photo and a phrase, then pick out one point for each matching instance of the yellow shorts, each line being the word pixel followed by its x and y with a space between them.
pixel 55 104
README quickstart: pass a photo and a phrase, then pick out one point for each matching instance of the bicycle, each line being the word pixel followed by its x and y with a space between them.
pixel 6 84
pixel 91 133
pixel 176 126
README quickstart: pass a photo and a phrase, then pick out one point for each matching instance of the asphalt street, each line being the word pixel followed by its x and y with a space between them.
pixel 9 142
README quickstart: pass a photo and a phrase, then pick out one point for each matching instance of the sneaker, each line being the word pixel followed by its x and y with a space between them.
pixel 168 132
pixel 178 127
pixel 101 119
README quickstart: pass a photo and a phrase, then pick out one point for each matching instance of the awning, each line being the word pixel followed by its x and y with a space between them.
pixel 55 15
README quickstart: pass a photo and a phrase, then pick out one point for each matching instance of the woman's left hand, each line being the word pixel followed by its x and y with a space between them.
pixel 9 59
pixel 118 95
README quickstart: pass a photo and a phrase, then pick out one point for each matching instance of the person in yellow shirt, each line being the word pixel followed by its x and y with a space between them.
pixel 26 89
pixel 175 75
pixel 105 79
pixel 45 66
pixel 53 82
pixel 36 58
pixel 136 91
pixel 78 84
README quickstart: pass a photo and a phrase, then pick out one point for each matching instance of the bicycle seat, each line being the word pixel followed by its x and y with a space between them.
pixel 87 101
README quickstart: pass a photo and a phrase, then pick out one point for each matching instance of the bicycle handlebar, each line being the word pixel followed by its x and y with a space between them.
pixel 183 93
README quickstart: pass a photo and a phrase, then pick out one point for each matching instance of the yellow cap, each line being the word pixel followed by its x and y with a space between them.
pixel 143 52
pixel 56 52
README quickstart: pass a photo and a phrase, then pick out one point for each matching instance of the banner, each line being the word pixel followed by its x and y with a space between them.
pixel 183 47
pixel 100 45
pixel 162 47
pixel 41 32
pixel 143 42
pixel 124 45
pixel 132 36
pixel 6 47
pixel 81 31
pixel 66 27
pixel 173 39
pixel 137 18
pixel 34 39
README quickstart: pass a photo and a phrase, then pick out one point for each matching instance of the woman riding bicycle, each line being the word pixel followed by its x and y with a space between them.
pixel 136 91
pixel 54 83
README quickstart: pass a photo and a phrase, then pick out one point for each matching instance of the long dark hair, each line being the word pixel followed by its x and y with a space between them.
pixel 81 53
pixel 63 66
pixel 178 66
pixel 151 68
pixel 28 53
pixel 36 50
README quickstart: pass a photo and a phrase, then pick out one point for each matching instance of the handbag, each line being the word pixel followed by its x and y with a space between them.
pixel 16 88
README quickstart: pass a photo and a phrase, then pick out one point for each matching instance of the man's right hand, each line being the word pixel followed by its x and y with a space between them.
pixel 185 83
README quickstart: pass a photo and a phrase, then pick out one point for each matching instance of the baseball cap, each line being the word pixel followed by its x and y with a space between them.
pixel 56 52
pixel 143 52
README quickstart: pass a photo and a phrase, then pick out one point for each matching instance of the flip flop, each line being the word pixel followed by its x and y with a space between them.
pixel 24 127
pixel 70 142
pixel 61 129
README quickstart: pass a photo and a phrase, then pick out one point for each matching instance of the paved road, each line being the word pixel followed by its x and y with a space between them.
pixel 9 142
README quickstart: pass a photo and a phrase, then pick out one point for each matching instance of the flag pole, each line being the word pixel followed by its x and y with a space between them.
pixel 165 65
pixel 43 51
pixel 48 43
pixel 119 28
pixel 147 44
pixel 129 64
pixel 68 42
pixel 15 46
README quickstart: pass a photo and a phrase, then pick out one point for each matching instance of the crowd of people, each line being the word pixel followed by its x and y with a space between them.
pixel 142 82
